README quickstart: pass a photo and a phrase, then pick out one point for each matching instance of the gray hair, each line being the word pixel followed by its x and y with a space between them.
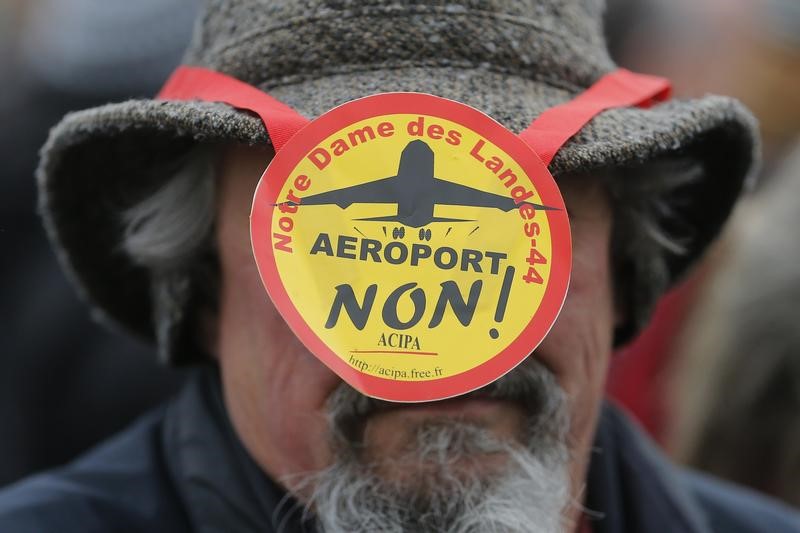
pixel 165 230
pixel 170 234
pixel 648 230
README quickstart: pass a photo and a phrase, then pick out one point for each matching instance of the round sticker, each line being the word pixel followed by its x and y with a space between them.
pixel 416 247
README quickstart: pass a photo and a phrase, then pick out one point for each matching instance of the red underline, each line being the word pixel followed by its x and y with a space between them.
pixel 394 351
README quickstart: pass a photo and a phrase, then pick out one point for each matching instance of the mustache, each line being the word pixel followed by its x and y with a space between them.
pixel 531 385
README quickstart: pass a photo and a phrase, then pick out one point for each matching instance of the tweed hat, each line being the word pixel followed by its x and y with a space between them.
pixel 511 59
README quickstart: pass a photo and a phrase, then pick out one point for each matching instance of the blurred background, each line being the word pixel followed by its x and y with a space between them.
pixel 66 382
pixel 715 379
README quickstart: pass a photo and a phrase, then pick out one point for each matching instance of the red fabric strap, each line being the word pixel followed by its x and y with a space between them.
pixel 197 83
pixel 620 88
pixel 546 135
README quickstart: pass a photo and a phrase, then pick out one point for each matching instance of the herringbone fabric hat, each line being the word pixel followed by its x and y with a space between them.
pixel 512 59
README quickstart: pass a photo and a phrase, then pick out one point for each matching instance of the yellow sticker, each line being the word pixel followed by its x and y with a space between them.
pixel 417 247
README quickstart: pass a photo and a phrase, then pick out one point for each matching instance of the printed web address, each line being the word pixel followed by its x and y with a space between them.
pixel 379 370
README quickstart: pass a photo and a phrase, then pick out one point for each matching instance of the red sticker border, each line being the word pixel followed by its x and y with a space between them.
pixel 286 160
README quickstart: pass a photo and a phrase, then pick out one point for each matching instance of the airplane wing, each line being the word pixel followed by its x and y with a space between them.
pixel 449 193
pixel 374 192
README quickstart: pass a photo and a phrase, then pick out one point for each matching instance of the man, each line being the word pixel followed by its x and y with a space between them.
pixel 148 202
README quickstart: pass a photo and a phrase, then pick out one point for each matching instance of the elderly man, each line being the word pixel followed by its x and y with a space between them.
pixel 148 202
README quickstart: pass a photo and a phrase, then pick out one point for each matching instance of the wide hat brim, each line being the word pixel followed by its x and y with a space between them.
pixel 95 158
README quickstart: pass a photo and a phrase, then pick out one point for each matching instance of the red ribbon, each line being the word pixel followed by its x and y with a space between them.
pixel 197 83
pixel 620 88
pixel 546 135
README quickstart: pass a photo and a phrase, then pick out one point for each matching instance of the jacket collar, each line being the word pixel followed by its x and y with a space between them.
pixel 632 487
pixel 222 487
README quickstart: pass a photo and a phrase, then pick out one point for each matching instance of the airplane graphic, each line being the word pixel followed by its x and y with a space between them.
pixel 416 191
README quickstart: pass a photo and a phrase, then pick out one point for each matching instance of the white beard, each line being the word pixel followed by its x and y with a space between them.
pixel 529 493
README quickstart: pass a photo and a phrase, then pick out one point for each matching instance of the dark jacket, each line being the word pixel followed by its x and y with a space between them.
pixel 182 469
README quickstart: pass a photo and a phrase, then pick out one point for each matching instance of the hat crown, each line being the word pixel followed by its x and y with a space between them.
pixel 272 43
